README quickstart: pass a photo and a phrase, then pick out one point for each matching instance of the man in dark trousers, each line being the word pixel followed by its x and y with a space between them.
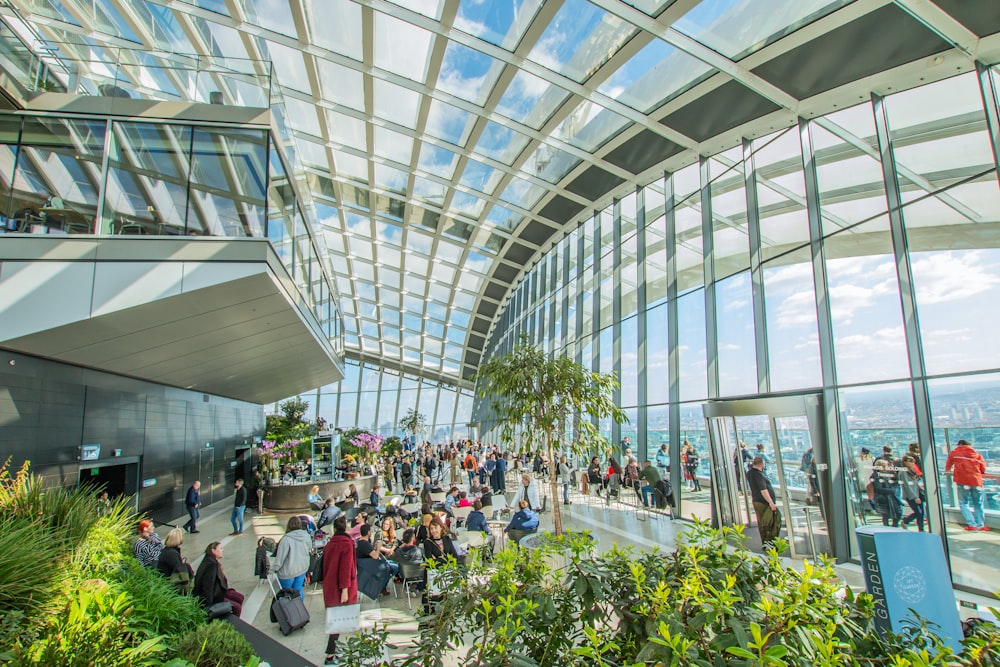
pixel 239 506
pixel 192 502
pixel 764 506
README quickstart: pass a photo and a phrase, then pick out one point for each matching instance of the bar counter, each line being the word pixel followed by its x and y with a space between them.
pixel 290 497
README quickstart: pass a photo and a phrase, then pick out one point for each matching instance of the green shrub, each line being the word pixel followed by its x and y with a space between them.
pixel 156 604
pixel 28 563
pixel 94 629
pixel 217 644
pixel 703 605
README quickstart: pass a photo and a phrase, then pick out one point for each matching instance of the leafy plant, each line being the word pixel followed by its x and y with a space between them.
pixel 217 644
pixel 156 605
pixel 707 604
pixel 93 629
pixel 539 396
pixel 366 648
pixel 413 422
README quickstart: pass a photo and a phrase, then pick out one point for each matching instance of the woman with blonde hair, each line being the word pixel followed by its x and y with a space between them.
pixel 315 500
pixel 172 564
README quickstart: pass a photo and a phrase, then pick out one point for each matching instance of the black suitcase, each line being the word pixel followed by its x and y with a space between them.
pixel 288 610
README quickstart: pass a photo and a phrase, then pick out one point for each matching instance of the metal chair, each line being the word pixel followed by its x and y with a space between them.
pixel 410 574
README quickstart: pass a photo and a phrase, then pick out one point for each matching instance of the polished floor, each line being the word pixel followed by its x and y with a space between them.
pixel 616 523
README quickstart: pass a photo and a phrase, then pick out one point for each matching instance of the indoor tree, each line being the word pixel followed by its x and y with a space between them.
pixel 529 391
pixel 413 422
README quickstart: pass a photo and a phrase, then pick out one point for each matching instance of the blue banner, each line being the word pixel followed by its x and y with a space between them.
pixel 906 573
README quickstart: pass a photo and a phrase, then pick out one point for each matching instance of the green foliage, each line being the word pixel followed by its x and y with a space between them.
pixel 217 644
pixel 539 396
pixel 156 605
pixel 366 648
pixel 413 422
pixel 392 445
pixel 293 409
pixel 707 604
pixel 27 574
pixel 94 629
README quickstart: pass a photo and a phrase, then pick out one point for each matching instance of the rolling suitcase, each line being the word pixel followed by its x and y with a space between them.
pixel 287 608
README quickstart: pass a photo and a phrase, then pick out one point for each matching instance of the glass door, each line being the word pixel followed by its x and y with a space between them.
pixel 784 433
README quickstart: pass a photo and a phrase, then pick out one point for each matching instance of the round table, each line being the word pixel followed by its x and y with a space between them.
pixel 496 528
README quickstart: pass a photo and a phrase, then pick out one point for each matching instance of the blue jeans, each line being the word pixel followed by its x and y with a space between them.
pixel 566 493
pixel 472 477
pixel 236 518
pixel 294 582
pixel 192 524
pixel 970 499
pixel 647 491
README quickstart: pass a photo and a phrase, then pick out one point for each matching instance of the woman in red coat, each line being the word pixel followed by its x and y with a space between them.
pixel 340 576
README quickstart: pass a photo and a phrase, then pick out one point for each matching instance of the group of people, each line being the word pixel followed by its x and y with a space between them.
pixel 450 464
pixel 209 583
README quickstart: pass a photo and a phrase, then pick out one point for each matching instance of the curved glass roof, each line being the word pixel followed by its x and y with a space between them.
pixel 448 143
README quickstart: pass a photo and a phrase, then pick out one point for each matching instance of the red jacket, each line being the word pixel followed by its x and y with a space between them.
pixel 340 570
pixel 968 464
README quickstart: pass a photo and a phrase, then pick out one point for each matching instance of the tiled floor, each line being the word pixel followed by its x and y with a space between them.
pixel 612 524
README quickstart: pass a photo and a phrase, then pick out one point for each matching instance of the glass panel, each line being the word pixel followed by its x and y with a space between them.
pixel 939 134
pixel 401 47
pixel 736 341
pixel 873 418
pixel 228 177
pixel 347 414
pixel 147 179
pixel 657 356
pixel 691 349
pixel 963 410
pixel 865 306
pixel 652 76
pixel 731 245
pixel 696 501
pixel 500 23
pixel 335 25
pixel 737 28
pixel 630 362
pixel 530 99
pixel 848 168
pixel 784 222
pixel 10 130
pixel 629 277
pixel 580 39
pixel 690 250
pixel 56 184
pixel 790 303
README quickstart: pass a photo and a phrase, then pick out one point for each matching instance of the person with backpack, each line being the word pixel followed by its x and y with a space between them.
pixel 470 467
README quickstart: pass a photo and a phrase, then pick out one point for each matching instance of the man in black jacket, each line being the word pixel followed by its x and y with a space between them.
pixel 239 506
pixel 192 501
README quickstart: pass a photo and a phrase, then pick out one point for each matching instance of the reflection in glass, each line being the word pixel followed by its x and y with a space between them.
pixel 737 360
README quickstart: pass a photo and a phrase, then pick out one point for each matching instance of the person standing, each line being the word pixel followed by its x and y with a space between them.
pixel 192 501
pixel 691 466
pixel 340 577
pixel 911 482
pixel 239 506
pixel 291 560
pixel 663 460
pixel 969 467
pixel 566 477
pixel 764 506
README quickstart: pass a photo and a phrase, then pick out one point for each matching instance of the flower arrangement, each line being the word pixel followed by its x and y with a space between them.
pixel 367 442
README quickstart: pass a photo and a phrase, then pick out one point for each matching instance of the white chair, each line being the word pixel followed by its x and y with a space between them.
pixel 461 513
pixel 472 539
pixel 438 497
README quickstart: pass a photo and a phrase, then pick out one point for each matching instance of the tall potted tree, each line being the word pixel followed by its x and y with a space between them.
pixel 529 391
pixel 413 422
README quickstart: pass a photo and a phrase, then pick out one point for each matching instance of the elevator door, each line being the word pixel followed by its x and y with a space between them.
pixel 206 468
pixel 787 433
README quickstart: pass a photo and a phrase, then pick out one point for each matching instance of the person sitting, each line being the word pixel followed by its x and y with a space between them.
pixel 328 515
pixel 172 564
pixel 148 546
pixel 315 500
pixel 425 520
pixel 376 500
pixel 368 549
pixel 352 494
pixel 409 551
pixel 360 520
pixel 463 499
pixel 476 519
pixel 410 495
pixel 211 584
pixel 451 500
pixel 485 496
pixel 529 491
pixel 523 522
pixel 427 488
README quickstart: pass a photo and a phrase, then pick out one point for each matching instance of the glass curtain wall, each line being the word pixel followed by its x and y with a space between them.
pixel 376 398
pixel 116 177
pixel 729 301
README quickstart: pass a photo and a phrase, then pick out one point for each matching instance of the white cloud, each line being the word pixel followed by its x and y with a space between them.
pixel 952 276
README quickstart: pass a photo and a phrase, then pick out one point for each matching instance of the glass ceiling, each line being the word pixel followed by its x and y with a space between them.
pixel 448 142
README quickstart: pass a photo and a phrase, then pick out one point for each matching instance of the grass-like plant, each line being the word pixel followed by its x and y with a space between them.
pixel 156 604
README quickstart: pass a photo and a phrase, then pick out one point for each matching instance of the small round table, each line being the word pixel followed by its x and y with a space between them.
pixel 496 528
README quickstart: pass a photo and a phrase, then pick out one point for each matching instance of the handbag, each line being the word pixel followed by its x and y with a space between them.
pixel 220 609
pixel 343 618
